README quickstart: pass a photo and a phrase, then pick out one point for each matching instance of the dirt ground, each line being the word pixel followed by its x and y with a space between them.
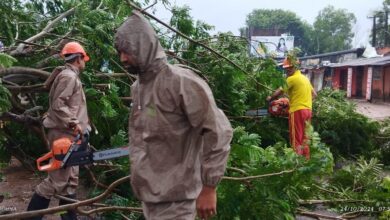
pixel 17 186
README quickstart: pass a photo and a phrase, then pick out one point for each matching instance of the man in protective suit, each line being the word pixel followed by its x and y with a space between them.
pixel 67 116
pixel 179 139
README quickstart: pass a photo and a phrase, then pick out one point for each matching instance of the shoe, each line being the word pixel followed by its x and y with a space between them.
pixel 37 202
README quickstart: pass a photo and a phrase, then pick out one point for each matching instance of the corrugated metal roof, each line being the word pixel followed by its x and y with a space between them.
pixel 376 61
pixel 358 51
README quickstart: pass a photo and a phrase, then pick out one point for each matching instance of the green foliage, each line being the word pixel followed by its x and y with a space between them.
pixel 282 20
pixel 12 11
pixel 292 57
pixel 361 181
pixel 259 145
pixel 5 155
pixel 6 60
pixel 183 22
pixel 347 132
pixel 333 30
pixel 356 176
pixel 265 18
pixel 5 104
pixel 93 24
pixel 117 200
pixel 385 215
pixel 386 183
pixel 275 196
pixel 108 114
pixel 119 139
pixel 383 142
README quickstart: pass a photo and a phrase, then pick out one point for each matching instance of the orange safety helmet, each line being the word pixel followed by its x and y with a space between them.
pixel 287 63
pixel 74 48
pixel 54 158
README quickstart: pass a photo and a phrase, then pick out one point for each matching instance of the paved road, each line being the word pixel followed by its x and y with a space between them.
pixel 376 111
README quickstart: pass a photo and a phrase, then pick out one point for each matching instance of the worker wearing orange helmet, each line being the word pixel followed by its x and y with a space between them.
pixel 300 93
pixel 67 116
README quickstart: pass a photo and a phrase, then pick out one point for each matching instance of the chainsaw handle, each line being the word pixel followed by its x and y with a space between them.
pixel 85 138
pixel 44 158
pixel 78 137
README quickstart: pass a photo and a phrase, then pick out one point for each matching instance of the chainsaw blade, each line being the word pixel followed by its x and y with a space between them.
pixel 257 112
pixel 110 153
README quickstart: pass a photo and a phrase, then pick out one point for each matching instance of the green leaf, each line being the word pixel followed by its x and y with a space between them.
pixel 6 60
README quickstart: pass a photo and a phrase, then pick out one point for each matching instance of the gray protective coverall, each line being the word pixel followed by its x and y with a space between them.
pixel 179 139
pixel 67 104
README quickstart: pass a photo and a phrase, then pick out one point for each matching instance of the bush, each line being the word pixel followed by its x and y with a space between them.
pixel 347 132
pixel 383 142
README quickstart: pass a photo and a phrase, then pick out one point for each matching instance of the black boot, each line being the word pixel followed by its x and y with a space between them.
pixel 37 202
pixel 70 214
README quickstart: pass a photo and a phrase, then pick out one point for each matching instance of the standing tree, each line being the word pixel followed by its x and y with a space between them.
pixel 333 30
pixel 282 21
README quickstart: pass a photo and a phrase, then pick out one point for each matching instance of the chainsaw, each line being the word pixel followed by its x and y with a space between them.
pixel 278 108
pixel 66 153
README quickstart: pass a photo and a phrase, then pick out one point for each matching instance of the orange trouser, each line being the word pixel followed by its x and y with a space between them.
pixel 297 123
pixel 62 181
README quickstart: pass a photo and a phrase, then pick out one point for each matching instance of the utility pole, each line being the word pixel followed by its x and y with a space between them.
pixel 385 36
pixel 373 30
pixel 386 27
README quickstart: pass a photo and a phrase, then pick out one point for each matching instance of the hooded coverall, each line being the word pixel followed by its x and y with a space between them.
pixel 179 139
pixel 67 104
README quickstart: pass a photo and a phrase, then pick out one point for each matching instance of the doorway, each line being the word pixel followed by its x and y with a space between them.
pixel 359 81
pixel 344 79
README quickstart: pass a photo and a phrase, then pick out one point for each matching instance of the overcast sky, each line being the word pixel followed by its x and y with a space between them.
pixel 230 15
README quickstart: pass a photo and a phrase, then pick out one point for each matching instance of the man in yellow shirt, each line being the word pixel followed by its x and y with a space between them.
pixel 300 93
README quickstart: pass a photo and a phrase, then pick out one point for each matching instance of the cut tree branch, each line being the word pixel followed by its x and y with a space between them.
pixel 68 206
pixel 110 75
pixel 110 208
pixel 25 42
pixel 126 99
pixel 258 176
pixel 102 86
pixel 316 215
pixel 312 202
pixel 95 180
pixel 49 27
pixel 155 2
pixel 23 119
pixel 353 215
pixel 43 63
pixel 30 88
pixel 24 70
pixel 114 76
pixel 131 77
pixel 236 170
pixel 17 79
